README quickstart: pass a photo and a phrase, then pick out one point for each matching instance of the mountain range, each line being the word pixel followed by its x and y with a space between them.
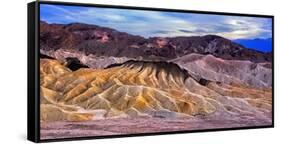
pixel 264 45
pixel 102 41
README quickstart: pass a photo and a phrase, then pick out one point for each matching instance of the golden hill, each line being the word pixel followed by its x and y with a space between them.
pixel 145 89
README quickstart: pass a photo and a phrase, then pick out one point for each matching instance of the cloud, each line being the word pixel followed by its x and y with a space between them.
pixel 162 32
pixel 156 23
pixel 185 31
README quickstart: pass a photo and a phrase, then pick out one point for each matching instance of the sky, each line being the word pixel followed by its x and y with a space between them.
pixel 162 24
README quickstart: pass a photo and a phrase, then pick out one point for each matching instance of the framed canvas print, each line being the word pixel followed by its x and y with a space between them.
pixel 102 71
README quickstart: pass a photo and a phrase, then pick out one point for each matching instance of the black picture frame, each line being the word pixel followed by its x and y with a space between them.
pixel 33 106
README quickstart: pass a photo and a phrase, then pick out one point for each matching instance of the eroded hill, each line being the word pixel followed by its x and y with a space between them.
pixel 144 89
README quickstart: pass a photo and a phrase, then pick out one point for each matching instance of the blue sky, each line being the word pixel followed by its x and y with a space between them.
pixel 155 23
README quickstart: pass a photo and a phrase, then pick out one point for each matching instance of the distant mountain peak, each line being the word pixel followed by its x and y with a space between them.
pixel 259 44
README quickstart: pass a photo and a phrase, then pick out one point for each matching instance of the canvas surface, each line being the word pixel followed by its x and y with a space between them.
pixel 107 71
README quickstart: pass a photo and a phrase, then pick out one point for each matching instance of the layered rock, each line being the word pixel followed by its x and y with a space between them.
pixel 92 61
pixel 144 89
pixel 205 66
pixel 228 71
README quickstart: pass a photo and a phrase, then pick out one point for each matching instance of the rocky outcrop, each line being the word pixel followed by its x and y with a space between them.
pixel 74 64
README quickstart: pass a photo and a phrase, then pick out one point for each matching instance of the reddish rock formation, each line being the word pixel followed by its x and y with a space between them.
pixel 102 41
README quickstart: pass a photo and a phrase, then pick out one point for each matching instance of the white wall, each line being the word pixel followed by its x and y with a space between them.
pixel 13 72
